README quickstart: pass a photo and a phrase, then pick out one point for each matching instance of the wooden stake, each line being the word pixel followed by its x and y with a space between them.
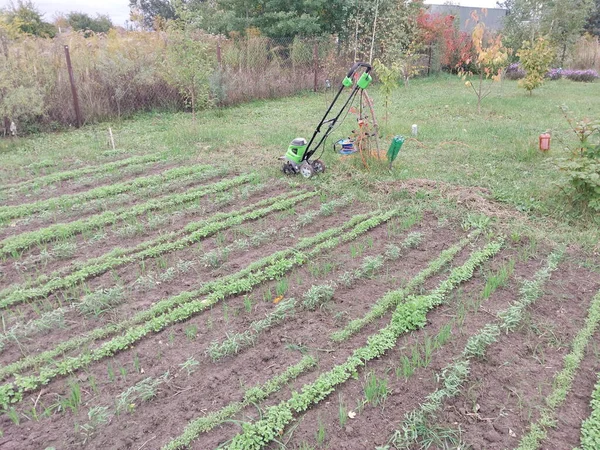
pixel 73 88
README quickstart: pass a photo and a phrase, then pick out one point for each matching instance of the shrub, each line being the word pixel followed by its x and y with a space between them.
pixel 580 75
pixel 514 71
pixel 554 74
pixel 536 61
pixel 583 167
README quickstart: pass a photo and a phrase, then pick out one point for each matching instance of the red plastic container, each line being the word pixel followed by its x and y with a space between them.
pixel 545 142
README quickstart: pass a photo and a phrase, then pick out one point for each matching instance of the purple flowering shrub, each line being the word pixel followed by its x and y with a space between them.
pixel 514 71
pixel 580 75
pixel 554 74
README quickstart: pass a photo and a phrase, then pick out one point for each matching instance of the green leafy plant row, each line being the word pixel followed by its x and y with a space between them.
pixel 28 287
pixel 407 316
pixel 75 173
pixel 252 396
pixel 590 429
pixel 562 384
pixel 371 264
pixel 217 256
pixel 237 342
pixel 392 298
pixel 178 308
pixel 66 201
pixel 151 249
pixel 454 375
pixel 23 241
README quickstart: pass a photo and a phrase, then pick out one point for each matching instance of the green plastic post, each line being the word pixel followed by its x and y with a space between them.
pixel 394 149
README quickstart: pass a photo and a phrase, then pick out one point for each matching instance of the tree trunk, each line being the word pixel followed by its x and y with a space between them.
pixel 479 92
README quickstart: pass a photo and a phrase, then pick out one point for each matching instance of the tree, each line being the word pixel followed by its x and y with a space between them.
pixel 536 60
pixel 562 21
pixel 490 58
pixel 151 9
pixel 82 22
pixel 24 18
pixel 592 25
pixel 188 63
pixel 523 21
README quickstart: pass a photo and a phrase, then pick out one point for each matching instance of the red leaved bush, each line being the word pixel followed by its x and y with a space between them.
pixel 440 29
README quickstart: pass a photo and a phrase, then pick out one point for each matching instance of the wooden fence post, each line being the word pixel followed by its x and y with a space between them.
pixel 219 57
pixel 73 88
pixel 316 65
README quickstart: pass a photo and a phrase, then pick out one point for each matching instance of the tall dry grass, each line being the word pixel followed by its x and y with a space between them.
pixel 586 53
pixel 122 73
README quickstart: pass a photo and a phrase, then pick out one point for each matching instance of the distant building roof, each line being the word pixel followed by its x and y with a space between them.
pixel 494 19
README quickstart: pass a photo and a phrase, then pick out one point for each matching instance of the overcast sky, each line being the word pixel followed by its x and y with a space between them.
pixel 118 10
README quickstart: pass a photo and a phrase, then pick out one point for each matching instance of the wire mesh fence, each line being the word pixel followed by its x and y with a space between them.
pixel 119 74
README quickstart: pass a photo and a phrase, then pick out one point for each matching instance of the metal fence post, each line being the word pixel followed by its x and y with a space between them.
pixel 316 65
pixel 73 88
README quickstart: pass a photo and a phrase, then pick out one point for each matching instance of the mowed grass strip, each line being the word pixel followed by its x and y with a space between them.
pixel 563 382
pixel 68 200
pixel 12 245
pixel 47 180
pixel 179 308
pixel 194 232
pixel 408 316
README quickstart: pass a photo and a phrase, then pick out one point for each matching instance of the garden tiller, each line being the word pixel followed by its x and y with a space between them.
pixel 297 159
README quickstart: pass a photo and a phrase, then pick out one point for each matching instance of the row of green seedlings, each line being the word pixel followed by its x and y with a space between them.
pixel 101 210
pixel 166 243
pixel 165 237
pixel 102 300
pixel 561 386
pixel 590 428
pixel 147 389
pixel 64 248
pixel 177 309
pixel 285 203
pixel 100 205
pixel 93 304
pixel 417 425
pixel 316 297
pixel 57 177
pixel 80 184
pixel 408 316
pixel 66 201
pixel 393 298
pixel 420 354
pixel 15 245
pixel 217 257
pixel 251 396
pixel 175 214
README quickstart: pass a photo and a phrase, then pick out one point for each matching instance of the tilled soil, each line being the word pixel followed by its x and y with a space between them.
pixel 500 399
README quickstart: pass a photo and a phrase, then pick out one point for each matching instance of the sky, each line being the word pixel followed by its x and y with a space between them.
pixel 118 10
